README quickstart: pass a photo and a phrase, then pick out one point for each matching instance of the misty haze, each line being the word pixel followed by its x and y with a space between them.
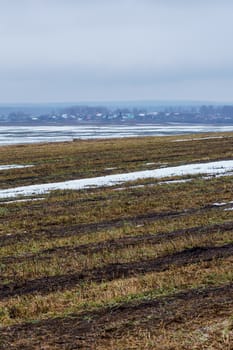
pixel 116 175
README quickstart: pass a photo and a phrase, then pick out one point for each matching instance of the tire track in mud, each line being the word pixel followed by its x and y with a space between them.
pixel 48 284
pixel 114 244
pixel 84 330
pixel 83 229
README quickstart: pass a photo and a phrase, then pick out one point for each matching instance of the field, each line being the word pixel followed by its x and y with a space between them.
pixel 147 264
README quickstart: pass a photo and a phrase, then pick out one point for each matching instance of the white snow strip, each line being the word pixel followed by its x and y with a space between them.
pixel 22 200
pixel 14 166
pixel 199 138
pixel 175 181
pixel 211 168
pixel 158 183
pixel 219 204
pixel 136 186
pixel 217 175
pixel 223 204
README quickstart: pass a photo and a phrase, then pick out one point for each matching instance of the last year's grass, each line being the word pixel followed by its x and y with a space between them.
pixel 81 159
pixel 70 238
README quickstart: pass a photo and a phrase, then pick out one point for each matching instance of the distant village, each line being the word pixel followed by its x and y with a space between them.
pixel 105 115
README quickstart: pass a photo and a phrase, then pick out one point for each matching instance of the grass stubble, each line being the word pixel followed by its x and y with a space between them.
pixel 147 267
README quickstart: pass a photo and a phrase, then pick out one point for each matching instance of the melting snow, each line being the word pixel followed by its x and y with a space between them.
pixel 32 134
pixel 199 138
pixel 211 168
pixel 175 181
pixel 219 204
pixel 158 183
pixel 223 204
pixel 14 166
pixel 23 200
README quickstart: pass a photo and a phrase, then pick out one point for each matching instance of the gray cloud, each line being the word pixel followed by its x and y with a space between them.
pixel 68 50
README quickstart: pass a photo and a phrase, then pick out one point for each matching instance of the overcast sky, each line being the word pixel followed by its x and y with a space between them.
pixel 99 50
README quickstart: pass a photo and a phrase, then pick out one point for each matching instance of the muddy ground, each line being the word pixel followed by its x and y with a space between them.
pixel 109 272
pixel 86 330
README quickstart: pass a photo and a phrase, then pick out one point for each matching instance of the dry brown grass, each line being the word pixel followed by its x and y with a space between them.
pixel 69 219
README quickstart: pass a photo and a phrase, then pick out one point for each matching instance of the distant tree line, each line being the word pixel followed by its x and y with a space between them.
pixel 102 114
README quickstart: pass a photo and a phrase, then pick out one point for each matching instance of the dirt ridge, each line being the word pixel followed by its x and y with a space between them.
pixel 110 272
pixel 82 331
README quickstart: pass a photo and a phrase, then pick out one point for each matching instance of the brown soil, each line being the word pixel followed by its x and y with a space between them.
pixel 86 330
pixel 110 272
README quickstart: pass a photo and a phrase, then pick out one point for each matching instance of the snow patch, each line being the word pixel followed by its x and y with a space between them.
pixel 175 181
pixel 211 168
pixel 14 166
pixel 154 184
pixel 23 200
pixel 219 204
pixel 223 204
pixel 199 138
